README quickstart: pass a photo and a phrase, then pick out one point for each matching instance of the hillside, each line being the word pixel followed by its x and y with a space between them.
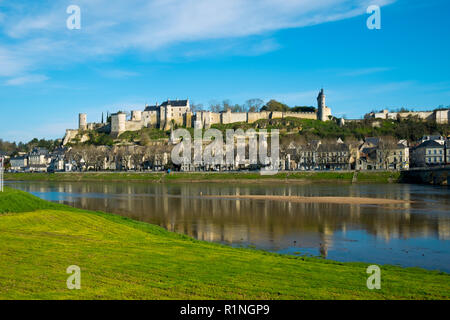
pixel 305 129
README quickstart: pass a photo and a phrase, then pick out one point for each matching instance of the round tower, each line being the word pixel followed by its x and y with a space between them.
pixel 118 123
pixel 321 105
pixel 82 121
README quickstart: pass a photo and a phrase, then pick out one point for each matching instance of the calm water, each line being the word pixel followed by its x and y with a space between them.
pixel 415 234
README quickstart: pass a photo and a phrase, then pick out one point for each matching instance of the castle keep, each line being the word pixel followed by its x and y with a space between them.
pixel 178 112
pixel 162 116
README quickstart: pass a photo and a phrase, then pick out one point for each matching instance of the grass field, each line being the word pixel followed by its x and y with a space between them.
pixel 124 259
pixel 365 177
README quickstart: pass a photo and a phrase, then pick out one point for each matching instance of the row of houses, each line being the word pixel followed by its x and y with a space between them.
pixel 376 154
pixel 370 154
pixel 38 160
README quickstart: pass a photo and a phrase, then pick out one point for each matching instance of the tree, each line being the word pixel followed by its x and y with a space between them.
pixel 253 105
pixel 303 109
pixel 137 158
pixel 196 107
pixel 215 107
pixel 274 105
pixel 386 148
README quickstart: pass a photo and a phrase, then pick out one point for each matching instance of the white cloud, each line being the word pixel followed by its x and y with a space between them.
pixel 32 78
pixel 365 71
pixel 39 35
pixel 391 87
pixel 118 74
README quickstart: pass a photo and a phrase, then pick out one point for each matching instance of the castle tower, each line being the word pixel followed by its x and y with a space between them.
pixel 321 105
pixel 82 121
pixel 118 123
pixel 323 112
pixel 136 115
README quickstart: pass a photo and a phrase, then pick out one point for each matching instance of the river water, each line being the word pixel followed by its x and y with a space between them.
pixel 414 234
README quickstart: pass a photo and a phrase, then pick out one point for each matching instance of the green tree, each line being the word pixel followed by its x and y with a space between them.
pixel 274 105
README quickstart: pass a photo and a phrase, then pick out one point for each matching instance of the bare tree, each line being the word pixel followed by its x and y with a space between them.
pixel 386 148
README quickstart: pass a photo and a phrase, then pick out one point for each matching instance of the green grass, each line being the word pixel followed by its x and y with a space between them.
pixel 124 259
pixel 366 177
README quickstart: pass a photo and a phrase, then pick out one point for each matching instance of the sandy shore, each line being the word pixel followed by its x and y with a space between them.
pixel 299 199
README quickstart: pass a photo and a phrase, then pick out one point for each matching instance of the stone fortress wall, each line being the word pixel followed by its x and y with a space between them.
pixel 439 116
pixel 178 112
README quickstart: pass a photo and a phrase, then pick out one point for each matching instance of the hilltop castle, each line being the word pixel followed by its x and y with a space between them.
pixel 441 116
pixel 178 112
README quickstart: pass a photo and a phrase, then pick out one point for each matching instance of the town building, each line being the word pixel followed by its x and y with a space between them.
pixel 393 157
pixel 18 163
pixel 428 153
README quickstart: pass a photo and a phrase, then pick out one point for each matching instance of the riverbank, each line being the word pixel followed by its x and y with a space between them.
pixel 125 259
pixel 253 177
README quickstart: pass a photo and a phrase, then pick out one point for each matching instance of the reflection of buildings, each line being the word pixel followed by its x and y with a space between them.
pixel 270 224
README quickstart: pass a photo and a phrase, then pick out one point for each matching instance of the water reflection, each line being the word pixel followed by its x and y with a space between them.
pixel 338 231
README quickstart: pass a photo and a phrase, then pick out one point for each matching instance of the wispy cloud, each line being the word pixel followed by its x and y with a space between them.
pixel 391 86
pixel 364 71
pixel 36 34
pixel 32 78
pixel 118 74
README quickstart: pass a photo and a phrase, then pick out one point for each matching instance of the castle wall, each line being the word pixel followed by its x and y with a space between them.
pixel 215 118
pixel 233 117
pixel 423 115
pixel 276 115
pixel 255 116
pixel 300 115
pixel 442 116
pixel 150 119
pixel 133 125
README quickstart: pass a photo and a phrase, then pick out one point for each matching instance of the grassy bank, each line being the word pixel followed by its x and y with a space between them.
pixel 124 259
pixel 365 177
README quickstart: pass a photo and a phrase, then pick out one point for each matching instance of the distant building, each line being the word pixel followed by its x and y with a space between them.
pixel 19 163
pixel 38 160
pixel 447 151
pixel 441 116
pixel 393 158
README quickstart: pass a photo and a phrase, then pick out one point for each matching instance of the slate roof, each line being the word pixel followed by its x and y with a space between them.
pixel 430 144
pixel 172 103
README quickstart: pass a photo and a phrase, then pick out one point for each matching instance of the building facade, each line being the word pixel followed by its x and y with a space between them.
pixel 428 153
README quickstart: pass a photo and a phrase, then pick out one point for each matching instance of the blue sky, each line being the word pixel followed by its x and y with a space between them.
pixel 133 52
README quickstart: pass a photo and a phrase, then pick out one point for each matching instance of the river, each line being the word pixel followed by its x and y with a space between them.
pixel 413 234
